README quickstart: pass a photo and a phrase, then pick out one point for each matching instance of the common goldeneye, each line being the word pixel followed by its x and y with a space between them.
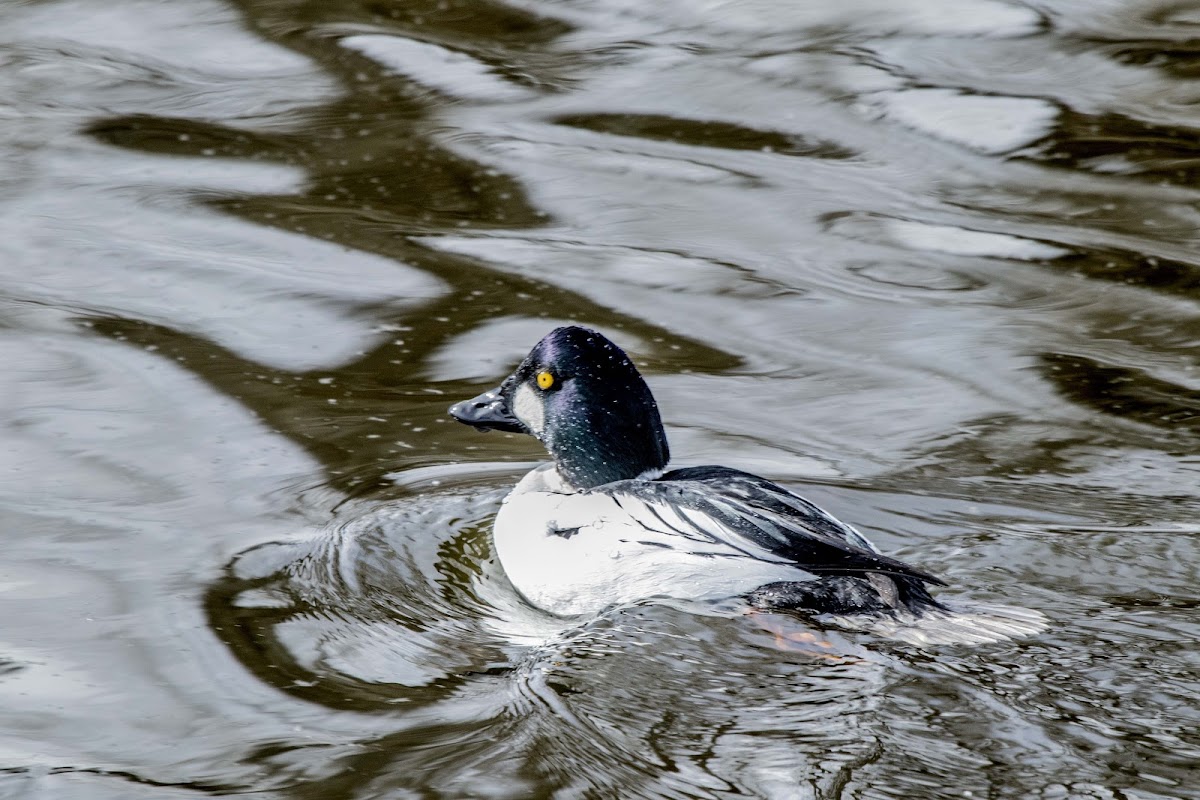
pixel 606 524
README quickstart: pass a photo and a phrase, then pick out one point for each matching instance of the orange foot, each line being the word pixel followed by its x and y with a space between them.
pixel 791 639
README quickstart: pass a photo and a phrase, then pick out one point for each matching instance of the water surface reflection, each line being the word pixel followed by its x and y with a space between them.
pixel 931 263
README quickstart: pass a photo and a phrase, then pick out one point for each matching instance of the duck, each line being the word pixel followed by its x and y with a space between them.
pixel 607 522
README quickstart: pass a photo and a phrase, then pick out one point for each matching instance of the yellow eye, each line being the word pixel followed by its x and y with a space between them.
pixel 545 380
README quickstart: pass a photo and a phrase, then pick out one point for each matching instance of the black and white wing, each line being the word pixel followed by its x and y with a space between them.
pixel 754 517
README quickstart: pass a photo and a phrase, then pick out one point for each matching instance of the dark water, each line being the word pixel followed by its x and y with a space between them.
pixel 931 262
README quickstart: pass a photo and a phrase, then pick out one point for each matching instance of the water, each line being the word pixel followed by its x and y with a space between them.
pixel 931 263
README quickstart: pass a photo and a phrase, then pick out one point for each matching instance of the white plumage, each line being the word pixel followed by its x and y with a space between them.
pixel 570 552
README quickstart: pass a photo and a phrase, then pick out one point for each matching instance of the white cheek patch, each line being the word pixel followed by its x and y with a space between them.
pixel 527 406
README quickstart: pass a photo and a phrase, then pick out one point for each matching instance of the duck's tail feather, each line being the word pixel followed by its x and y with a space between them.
pixel 898 607
pixel 947 623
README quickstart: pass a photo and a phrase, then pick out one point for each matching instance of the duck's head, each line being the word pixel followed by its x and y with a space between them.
pixel 581 397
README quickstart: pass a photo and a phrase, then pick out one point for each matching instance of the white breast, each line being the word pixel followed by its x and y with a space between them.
pixel 615 556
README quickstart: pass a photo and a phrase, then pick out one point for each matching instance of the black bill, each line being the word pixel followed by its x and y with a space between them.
pixel 488 411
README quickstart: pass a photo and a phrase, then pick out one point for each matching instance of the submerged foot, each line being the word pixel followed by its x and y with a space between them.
pixel 790 637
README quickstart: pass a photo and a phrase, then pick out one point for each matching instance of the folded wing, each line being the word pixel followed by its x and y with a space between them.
pixel 752 516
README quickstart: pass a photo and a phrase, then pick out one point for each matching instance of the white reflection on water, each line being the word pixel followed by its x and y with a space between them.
pixel 121 234
pixel 926 237
pixel 969 18
pixel 990 124
pixel 987 360
pixel 456 74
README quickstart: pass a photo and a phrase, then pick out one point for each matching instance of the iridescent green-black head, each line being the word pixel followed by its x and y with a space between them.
pixel 582 397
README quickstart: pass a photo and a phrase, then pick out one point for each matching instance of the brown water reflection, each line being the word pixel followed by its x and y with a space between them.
pixel 932 263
